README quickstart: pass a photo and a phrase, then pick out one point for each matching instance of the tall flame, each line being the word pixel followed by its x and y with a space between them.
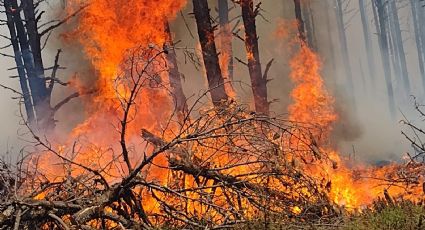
pixel 352 188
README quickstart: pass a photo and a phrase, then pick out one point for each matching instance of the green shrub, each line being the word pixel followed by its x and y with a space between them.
pixel 403 216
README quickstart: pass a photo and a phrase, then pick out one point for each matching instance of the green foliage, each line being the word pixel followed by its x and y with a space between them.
pixel 402 216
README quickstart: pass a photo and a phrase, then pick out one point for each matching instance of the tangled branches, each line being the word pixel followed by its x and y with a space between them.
pixel 210 168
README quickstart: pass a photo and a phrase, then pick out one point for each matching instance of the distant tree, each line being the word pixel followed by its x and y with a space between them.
pixel 344 46
pixel 368 43
pixel 417 15
pixel 381 17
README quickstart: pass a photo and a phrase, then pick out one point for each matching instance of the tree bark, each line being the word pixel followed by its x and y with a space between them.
pixel 226 36
pixel 398 46
pixel 209 52
pixel 19 63
pixel 344 47
pixel 368 44
pixel 381 16
pixel 309 24
pixel 258 81
pixel 300 21
pixel 35 84
pixel 419 40
pixel 42 95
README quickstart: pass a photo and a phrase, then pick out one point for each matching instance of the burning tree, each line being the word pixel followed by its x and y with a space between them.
pixel 146 158
pixel 232 165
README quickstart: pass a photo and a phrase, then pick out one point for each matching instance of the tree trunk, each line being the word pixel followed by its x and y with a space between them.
pixel 42 95
pixel 300 21
pixel 209 52
pixel 330 41
pixel 226 37
pixel 19 64
pixel 35 84
pixel 258 81
pixel 393 52
pixel 174 75
pixel 419 40
pixel 344 47
pixel 381 17
pixel 309 24
pixel 399 47
pixel 368 44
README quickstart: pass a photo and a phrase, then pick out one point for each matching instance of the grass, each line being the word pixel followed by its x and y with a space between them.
pixel 402 216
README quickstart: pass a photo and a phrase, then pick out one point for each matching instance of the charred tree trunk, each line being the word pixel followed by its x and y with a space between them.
pixel 368 43
pixel 300 21
pixel 23 80
pixel 209 52
pixel 381 16
pixel 258 81
pixel 34 83
pixel 398 45
pixel 42 93
pixel 226 37
pixel 309 24
pixel 179 98
pixel 30 50
pixel 344 47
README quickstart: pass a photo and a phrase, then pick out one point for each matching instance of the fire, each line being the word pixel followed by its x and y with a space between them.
pixel 111 33
pixel 350 187
pixel 312 104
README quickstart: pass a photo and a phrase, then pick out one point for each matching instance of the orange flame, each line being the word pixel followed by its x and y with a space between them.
pixel 313 105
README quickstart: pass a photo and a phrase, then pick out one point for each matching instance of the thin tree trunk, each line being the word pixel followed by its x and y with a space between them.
pixel 34 82
pixel 419 41
pixel 393 50
pixel 19 64
pixel 381 17
pixel 179 98
pixel 226 36
pixel 344 46
pixel 330 40
pixel 309 24
pixel 42 95
pixel 209 52
pixel 399 47
pixel 300 21
pixel 258 81
pixel 368 43
pixel 421 11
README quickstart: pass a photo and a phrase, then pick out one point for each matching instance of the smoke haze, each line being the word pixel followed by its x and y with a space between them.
pixel 364 128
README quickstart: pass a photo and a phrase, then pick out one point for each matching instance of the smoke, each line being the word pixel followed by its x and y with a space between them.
pixel 9 115
pixel 365 127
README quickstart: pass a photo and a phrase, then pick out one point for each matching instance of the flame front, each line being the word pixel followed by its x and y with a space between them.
pixel 110 32
pixel 351 187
